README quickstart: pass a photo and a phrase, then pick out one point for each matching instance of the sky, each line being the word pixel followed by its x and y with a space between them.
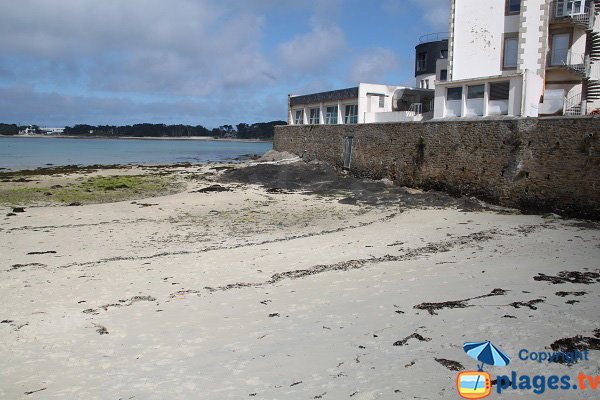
pixel 198 62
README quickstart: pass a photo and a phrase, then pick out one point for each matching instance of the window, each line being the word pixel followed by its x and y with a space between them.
pixel 499 94
pixel 513 7
pixel 443 75
pixel 421 62
pixel 444 54
pixel 454 93
pixel 351 115
pixel 560 49
pixel 499 90
pixel 381 101
pixel 475 92
pixel 331 116
pixel 299 118
pixel 475 103
pixel 566 8
pixel 454 104
pixel 314 116
pixel 511 51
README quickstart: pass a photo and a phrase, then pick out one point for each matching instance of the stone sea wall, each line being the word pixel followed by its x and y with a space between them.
pixel 541 164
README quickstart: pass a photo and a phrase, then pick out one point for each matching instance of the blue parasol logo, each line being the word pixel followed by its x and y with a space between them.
pixel 486 353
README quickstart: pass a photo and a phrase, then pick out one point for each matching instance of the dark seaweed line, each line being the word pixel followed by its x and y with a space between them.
pixel 237 246
pixel 431 248
pixel 28 227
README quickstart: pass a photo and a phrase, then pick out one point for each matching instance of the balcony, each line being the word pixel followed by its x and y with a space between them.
pixel 575 12
pixel 569 61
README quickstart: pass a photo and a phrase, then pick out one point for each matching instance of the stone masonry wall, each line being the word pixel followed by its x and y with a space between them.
pixel 544 164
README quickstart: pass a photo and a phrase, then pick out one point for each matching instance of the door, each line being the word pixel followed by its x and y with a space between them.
pixel 348 142
pixel 560 49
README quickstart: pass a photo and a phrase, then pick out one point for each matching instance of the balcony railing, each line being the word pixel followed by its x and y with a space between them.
pixel 574 105
pixel 576 11
pixel 433 37
pixel 576 62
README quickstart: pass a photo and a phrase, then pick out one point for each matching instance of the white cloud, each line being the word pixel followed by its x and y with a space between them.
pixel 373 66
pixel 180 47
pixel 435 12
pixel 313 51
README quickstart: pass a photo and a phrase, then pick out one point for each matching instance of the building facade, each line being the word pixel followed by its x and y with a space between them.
pixel 521 58
pixel 431 60
pixel 365 103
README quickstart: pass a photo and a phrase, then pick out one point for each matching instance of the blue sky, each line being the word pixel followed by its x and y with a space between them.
pixel 207 62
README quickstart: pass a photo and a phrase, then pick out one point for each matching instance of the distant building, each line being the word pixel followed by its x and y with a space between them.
pixel 431 60
pixel 521 58
pixel 366 103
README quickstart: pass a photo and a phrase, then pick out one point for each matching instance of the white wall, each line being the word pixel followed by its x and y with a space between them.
pixel 478 37
pixel 430 79
pixel 579 39
pixel 395 116
pixel 530 37
pixel 369 104
pixel 515 103
pixel 534 88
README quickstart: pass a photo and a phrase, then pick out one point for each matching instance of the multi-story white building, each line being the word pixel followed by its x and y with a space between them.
pixel 521 58
pixel 365 103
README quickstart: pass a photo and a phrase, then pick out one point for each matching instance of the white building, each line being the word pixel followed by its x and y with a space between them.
pixel 366 103
pixel 521 58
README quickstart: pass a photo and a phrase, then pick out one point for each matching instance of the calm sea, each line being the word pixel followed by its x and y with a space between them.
pixel 30 152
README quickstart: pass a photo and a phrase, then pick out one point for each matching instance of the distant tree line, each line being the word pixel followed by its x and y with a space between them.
pixel 9 129
pixel 263 130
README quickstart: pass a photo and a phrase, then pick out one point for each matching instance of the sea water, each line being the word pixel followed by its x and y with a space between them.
pixel 33 152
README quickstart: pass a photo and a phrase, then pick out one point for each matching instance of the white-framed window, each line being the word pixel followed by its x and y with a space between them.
pixel 454 102
pixel 498 98
pixel 331 115
pixel 299 117
pixel 475 102
pixel 351 114
pixel 381 101
pixel 314 116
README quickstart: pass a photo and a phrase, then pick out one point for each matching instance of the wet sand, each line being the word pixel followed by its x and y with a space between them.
pixel 286 282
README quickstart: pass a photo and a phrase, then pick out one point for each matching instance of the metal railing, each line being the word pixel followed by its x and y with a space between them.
pixel 574 105
pixel 577 10
pixel 416 108
pixel 433 37
pixel 576 62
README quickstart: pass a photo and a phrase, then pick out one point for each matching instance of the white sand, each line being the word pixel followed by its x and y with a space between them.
pixel 327 334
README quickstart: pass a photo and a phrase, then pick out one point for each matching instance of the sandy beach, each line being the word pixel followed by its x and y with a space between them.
pixel 286 282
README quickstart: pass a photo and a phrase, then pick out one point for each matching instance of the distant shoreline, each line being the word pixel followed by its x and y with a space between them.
pixel 208 138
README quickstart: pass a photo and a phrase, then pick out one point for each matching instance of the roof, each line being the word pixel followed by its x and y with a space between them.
pixel 325 97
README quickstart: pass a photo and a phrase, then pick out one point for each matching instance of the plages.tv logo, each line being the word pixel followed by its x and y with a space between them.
pixel 478 384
